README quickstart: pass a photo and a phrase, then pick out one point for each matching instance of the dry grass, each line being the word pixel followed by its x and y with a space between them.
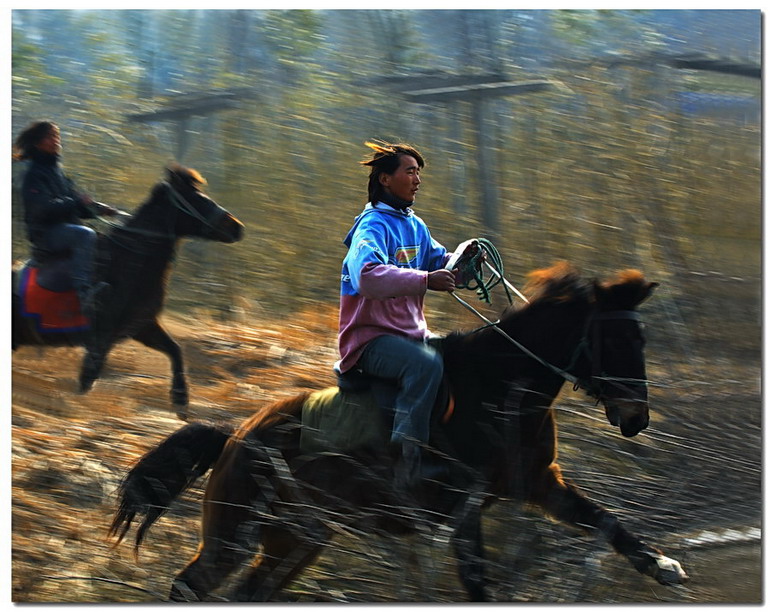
pixel 70 451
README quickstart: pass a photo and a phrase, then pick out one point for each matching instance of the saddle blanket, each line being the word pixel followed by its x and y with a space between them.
pixel 52 311
pixel 341 421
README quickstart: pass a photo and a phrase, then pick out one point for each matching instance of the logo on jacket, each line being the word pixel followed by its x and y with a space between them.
pixel 406 254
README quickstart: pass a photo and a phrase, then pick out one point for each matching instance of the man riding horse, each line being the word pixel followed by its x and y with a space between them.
pixel 391 262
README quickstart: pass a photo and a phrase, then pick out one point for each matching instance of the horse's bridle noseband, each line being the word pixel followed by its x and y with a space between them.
pixel 591 344
pixel 181 203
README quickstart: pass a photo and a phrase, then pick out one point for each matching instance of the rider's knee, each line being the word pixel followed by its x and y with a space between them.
pixel 431 363
pixel 85 233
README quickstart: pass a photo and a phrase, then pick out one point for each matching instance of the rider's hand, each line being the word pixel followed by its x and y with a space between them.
pixel 105 210
pixel 472 250
pixel 441 280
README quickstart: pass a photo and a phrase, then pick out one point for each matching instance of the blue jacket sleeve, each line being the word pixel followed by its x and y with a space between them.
pixel 368 246
pixel 438 256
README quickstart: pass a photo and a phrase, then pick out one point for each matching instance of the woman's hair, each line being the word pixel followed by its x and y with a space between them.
pixel 25 143
pixel 385 160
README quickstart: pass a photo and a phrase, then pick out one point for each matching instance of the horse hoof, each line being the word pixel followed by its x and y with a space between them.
pixel 180 592
pixel 667 571
pixel 181 414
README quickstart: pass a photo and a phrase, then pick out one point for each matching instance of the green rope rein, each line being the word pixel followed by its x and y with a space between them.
pixel 471 268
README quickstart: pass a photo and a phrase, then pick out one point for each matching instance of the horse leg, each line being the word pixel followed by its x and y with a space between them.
pixel 212 564
pixel 236 508
pixel 284 554
pixel 564 502
pixel 469 549
pixel 93 361
pixel 155 337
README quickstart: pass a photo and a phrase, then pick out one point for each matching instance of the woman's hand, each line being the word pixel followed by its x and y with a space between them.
pixel 104 210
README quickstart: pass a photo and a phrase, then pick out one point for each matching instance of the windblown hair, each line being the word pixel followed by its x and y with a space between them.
pixel 385 160
pixel 27 140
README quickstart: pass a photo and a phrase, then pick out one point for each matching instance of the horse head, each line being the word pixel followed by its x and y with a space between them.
pixel 197 214
pixel 618 377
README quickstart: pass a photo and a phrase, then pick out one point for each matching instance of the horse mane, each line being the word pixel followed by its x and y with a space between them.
pixel 179 177
pixel 177 173
pixel 562 282
pixel 559 283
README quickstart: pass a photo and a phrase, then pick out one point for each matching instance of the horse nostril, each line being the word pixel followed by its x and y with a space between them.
pixel 231 228
pixel 634 426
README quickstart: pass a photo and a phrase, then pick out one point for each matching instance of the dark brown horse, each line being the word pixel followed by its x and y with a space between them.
pixel 266 496
pixel 134 259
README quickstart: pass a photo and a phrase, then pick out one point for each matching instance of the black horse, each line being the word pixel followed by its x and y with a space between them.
pixel 268 496
pixel 134 260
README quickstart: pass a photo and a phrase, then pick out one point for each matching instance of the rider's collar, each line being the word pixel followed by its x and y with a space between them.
pixel 394 202
pixel 49 159
pixel 382 207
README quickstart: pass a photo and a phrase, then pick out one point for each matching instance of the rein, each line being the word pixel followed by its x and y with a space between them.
pixel 583 346
pixel 181 204
pixel 495 326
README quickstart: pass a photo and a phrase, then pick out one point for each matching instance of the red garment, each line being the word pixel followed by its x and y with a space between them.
pixel 53 311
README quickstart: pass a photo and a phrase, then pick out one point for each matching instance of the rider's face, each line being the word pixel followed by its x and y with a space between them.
pixel 405 181
pixel 51 142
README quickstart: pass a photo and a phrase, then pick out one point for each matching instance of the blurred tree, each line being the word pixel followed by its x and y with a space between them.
pixel 605 169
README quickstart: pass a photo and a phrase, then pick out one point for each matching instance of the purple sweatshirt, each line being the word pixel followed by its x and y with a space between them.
pixel 384 279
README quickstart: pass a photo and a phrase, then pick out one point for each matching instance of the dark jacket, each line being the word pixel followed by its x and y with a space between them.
pixel 50 197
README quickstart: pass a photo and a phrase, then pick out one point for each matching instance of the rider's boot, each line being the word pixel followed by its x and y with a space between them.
pixel 91 297
pixel 408 476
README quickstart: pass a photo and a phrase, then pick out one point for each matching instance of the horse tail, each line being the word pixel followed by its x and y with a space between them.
pixel 165 472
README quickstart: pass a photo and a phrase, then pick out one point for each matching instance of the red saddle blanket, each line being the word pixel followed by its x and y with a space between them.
pixel 52 311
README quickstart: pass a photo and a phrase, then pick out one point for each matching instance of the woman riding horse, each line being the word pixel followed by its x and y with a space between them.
pixel 134 260
pixel 54 207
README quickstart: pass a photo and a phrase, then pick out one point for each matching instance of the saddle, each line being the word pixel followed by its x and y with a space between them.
pixel 357 413
pixel 46 294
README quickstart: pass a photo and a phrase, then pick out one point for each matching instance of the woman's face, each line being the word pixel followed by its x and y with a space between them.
pixel 51 142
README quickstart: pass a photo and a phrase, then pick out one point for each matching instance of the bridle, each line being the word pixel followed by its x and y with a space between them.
pixel 589 345
pixel 181 204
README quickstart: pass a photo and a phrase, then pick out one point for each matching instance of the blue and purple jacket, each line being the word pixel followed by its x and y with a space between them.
pixel 384 279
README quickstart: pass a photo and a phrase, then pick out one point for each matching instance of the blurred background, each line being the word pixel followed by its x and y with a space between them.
pixel 613 139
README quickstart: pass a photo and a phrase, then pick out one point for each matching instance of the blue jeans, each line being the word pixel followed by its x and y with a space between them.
pixel 81 241
pixel 418 368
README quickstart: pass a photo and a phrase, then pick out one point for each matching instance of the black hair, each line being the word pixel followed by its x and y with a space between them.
pixel 386 160
pixel 25 143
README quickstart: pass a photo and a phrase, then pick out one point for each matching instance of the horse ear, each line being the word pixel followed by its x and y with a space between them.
pixel 600 292
pixel 628 291
pixel 172 172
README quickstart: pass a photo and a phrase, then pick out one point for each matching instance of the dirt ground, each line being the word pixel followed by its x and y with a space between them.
pixel 691 484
